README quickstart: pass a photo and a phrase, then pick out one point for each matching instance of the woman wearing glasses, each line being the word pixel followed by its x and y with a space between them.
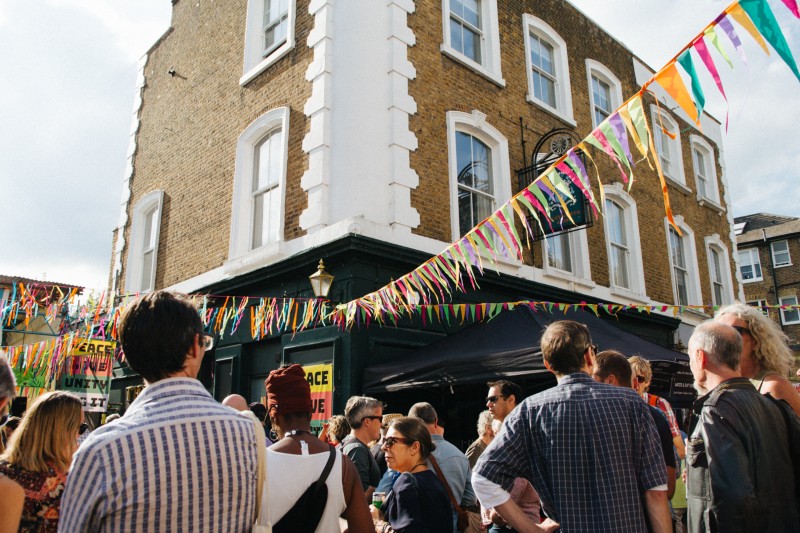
pixel 39 454
pixel 418 502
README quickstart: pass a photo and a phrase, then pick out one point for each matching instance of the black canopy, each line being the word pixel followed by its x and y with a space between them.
pixel 508 346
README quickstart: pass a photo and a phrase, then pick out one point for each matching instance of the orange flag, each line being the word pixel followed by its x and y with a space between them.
pixel 671 81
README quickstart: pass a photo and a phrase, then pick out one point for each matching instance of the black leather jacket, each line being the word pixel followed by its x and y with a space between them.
pixel 739 469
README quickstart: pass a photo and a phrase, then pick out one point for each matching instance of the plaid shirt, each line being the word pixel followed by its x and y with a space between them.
pixel 666 408
pixel 589 449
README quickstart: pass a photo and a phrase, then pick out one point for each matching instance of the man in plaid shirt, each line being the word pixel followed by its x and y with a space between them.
pixel 589 449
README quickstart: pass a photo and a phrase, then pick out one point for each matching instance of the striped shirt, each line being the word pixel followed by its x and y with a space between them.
pixel 177 461
pixel 666 408
pixel 589 449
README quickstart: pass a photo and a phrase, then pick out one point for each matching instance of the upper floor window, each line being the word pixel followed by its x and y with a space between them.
pixel 705 171
pixel 269 34
pixel 559 252
pixel 143 252
pixel 790 315
pixel 626 273
pixel 605 91
pixel 780 254
pixel 750 265
pixel 719 271
pixel 683 262
pixel 479 169
pixel 548 68
pixel 259 182
pixel 668 145
pixel 472 36
pixel 761 305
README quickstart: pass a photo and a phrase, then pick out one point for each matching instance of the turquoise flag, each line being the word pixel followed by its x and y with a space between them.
pixel 761 15
pixel 685 60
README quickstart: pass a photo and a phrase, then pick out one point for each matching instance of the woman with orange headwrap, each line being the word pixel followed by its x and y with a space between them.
pixel 298 457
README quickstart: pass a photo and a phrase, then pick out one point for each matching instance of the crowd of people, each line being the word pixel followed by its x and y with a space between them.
pixel 596 453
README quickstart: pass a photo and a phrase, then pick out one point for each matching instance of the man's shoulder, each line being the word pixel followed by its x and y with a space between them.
pixel 580 390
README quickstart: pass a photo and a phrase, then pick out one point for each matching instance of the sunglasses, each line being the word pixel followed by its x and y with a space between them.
pixel 493 399
pixel 742 330
pixel 641 379
pixel 372 417
pixel 391 441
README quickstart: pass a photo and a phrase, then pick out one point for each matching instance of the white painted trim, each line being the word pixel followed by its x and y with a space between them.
pixel 694 294
pixel 125 197
pixel 242 207
pixel 603 73
pixel 783 316
pixel 475 124
pixel 714 241
pixel 135 266
pixel 617 193
pixel 707 152
pixel 254 62
pixel 676 153
pixel 563 107
pixel 579 255
pixel 489 67
pixel 788 251
pixel 750 252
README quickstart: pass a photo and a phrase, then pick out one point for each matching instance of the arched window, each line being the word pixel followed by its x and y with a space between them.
pixel 259 183
pixel 143 253
pixel 705 170
pixel 479 169
pixel 548 68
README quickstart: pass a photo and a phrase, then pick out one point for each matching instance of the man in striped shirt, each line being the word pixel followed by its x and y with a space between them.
pixel 177 460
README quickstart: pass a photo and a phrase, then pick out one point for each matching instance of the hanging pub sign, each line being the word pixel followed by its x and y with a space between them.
pixel 320 377
pixel 87 373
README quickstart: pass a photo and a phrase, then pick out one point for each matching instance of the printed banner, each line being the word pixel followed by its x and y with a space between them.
pixel 87 374
pixel 320 377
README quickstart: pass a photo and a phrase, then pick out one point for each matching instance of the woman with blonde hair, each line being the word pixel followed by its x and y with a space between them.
pixel 38 457
pixel 766 358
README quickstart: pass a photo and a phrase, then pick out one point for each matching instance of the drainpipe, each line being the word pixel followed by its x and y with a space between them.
pixel 774 279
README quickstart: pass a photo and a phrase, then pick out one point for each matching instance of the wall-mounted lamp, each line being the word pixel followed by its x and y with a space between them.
pixel 321 281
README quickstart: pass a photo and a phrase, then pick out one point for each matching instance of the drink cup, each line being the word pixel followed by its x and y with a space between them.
pixel 378 498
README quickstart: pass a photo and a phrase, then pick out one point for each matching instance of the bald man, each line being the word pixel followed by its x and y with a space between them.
pixel 237 402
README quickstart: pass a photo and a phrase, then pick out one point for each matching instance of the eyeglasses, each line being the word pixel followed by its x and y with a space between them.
pixel 493 399
pixel 206 341
pixel 742 330
pixel 594 347
pixel 391 441
pixel 372 417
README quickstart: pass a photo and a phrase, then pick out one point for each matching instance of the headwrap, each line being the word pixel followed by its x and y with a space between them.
pixel 288 391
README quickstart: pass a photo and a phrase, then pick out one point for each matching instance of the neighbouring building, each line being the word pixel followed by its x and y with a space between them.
pixel 767 243
pixel 270 134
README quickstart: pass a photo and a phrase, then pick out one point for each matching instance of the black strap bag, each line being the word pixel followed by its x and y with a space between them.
pixel 305 514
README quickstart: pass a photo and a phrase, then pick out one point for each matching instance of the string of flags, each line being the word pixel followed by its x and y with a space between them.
pixel 425 290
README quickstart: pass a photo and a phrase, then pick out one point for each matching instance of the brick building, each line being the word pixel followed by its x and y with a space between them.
pixel 769 248
pixel 268 135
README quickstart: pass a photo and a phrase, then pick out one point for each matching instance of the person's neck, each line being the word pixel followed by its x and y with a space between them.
pixel 486 439
pixel 749 367
pixel 361 434
pixel 720 376
pixel 586 370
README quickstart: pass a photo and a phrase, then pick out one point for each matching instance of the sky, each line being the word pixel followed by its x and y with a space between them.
pixel 67 94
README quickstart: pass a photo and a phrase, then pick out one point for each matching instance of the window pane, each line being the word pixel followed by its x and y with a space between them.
pixel 259 217
pixel 268 162
pixel 472 45
pixel 790 315
pixel 464 211
pixel 558 252
pixel 147 269
pixel 780 253
pixel 471 13
pixel 464 158
pixel 456 39
pixel 680 281
pixel 149 235
pixel 476 183
pixel 619 267
pixel 482 164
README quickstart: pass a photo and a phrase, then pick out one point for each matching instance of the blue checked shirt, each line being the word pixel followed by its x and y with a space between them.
pixel 177 461
pixel 589 449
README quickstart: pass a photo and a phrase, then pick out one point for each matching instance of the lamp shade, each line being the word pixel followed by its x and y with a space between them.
pixel 321 281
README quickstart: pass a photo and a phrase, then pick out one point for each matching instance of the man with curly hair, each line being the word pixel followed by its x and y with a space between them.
pixel 766 358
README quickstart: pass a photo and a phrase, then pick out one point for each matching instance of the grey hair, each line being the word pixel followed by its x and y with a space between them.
pixel 770 349
pixel 358 407
pixel 484 422
pixel 7 381
pixel 722 344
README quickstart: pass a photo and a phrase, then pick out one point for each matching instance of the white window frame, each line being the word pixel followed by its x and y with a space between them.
pixel 714 242
pixel 544 31
pixel 135 263
pixel 783 300
pixel 788 253
pixel 701 148
pixel 595 69
pixel 630 219
pixel 255 62
pixel 578 245
pixel 489 67
pixel 760 304
pixel 676 174
pixel 751 252
pixel 693 291
pixel 242 210
pixel 475 124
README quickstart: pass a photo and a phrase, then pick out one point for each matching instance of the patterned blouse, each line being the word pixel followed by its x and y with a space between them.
pixel 42 496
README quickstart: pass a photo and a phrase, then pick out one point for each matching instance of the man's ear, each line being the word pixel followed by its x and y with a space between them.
pixel 547 365
pixel 702 358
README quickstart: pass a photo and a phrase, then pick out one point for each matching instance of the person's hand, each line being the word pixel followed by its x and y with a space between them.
pixel 549 526
pixel 376 513
pixel 323 435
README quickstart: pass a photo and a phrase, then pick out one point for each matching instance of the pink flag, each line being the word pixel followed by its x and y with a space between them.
pixel 792 5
